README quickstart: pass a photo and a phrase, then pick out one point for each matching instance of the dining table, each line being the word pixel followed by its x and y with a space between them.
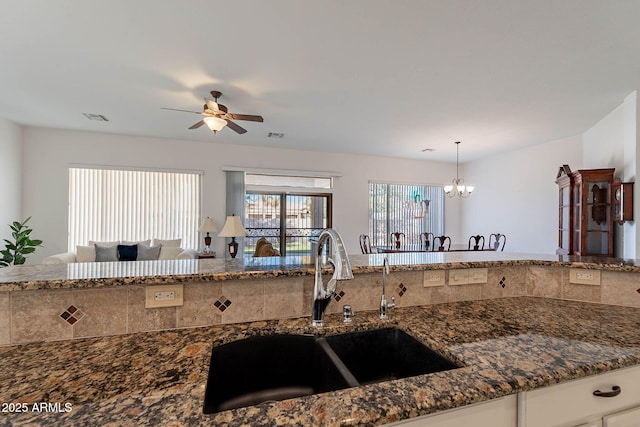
pixel 418 248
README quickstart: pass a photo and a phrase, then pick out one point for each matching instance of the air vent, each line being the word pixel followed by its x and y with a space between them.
pixel 275 135
pixel 97 117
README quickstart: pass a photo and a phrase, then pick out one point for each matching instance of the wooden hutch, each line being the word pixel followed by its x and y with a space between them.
pixel 585 212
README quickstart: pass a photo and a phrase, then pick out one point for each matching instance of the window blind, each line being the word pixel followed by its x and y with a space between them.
pixel 407 208
pixel 130 205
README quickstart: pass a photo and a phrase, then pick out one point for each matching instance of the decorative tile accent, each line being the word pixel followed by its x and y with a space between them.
pixel 402 288
pixel 339 296
pixel 222 303
pixel 72 315
pixel 503 282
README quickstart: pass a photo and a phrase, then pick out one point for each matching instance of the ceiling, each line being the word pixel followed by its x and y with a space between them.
pixel 384 77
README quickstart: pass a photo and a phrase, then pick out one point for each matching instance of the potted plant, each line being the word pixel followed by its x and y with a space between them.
pixel 22 244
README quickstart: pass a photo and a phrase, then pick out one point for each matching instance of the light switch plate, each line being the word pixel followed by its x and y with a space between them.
pixel 584 277
pixel 433 278
pixel 164 296
pixel 478 275
pixel 459 277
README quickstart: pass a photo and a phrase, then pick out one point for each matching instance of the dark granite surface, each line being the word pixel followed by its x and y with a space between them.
pixel 158 378
pixel 91 275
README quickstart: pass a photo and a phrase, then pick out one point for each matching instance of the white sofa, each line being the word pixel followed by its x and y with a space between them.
pixel 159 249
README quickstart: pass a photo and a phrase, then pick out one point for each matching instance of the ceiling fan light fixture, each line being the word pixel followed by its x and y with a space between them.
pixel 215 123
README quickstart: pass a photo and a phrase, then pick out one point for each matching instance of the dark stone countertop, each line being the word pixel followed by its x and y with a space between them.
pixel 106 274
pixel 158 378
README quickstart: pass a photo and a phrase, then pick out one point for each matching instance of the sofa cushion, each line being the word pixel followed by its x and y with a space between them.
pixel 106 253
pixel 138 242
pixel 169 252
pixel 93 242
pixel 85 253
pixel 172 243
pixel 127 252
pixel 148 253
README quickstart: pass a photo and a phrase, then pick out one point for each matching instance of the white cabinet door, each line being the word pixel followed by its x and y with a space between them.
pixel 573 403
pixel 628 418
pixel 593 424
pixel 493 413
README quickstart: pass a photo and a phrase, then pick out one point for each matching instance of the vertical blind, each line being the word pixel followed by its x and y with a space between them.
pixel 406 208
pixel 129 205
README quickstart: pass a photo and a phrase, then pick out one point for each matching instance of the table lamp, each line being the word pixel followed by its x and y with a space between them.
pixel 233 228
pixel 207 226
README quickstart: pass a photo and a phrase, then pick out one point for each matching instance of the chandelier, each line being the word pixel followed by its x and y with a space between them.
pixel 458 189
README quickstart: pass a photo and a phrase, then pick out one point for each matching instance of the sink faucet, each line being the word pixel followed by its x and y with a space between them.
pixel 383 300
pixel 341 271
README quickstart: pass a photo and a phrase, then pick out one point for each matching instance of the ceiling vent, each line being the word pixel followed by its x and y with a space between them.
pixel 275 135
pixel 97 117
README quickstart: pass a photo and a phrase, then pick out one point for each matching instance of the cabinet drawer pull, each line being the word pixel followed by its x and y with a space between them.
pixel 615 390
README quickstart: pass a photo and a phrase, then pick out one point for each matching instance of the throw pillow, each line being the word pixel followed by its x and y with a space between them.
pixel 127 252
pixel 85 253
pixel 148 253
pixel 173 243
pixel 168 252
pixel 106 253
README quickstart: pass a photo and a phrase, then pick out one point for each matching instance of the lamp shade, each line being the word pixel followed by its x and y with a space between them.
pixel 207 226
pixel 232 228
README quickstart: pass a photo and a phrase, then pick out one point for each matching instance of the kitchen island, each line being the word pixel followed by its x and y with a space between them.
pixel 505 346
pixel 525 327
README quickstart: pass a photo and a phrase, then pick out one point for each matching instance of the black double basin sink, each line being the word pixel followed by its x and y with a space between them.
pixel 277 367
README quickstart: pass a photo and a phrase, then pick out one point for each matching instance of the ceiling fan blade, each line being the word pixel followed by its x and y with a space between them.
pixel 248 117
pixel 212 105
pixel 184 111
pixel 235 127
pixel 197 125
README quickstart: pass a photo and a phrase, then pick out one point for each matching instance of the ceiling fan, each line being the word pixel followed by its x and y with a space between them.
pixel 217 116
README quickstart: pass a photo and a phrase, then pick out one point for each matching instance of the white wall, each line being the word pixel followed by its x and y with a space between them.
pixel 612 143
pixel 10 177
pixel 603 144
pixel 51 151
pixel 516 195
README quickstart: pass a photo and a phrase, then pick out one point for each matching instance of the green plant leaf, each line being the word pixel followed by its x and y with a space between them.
pixel 22 244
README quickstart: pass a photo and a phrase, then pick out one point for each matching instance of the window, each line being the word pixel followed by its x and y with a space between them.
pixel 288 181
pixel 132 205
pixel 288 218
pixel 406 208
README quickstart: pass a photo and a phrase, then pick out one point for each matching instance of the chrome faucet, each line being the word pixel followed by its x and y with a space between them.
pixel 341 271
pixel 384 305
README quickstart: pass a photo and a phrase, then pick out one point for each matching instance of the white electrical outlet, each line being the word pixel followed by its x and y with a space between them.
pixel 459 277
pixel 466 276
pixel 164 296
pixel 584 277
pixel 478 275
pixel 433 278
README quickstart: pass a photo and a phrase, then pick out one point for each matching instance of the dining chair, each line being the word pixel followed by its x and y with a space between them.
pixel 495 239
pixel 478 243
pixel 440 243
pixel 426 241
pixel 398 240
pixel 365 244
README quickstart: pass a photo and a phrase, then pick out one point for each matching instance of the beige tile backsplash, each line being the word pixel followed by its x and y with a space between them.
pixel 5 318
pixel 27 316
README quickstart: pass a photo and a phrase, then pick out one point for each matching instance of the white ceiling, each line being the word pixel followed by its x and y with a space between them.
pixel 385 77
